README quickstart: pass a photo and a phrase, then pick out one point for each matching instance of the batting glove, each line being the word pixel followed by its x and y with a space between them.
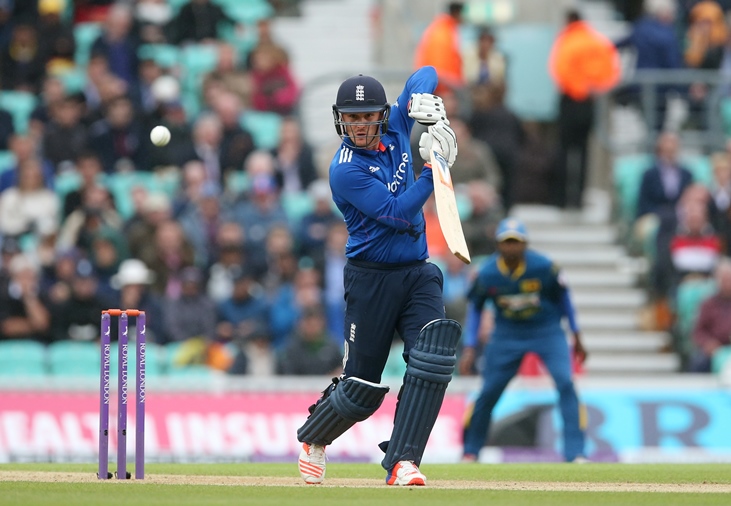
pixel 442 139
pixel 427 109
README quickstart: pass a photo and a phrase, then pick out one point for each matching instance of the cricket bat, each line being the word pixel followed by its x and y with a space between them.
pixel 446 203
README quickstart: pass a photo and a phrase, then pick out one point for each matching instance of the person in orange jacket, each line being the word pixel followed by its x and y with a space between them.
pixel 440 47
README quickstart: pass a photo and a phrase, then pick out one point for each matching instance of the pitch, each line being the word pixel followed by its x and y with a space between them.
pixel 235 484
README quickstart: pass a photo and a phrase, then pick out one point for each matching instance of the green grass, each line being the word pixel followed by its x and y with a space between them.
pixel 147 493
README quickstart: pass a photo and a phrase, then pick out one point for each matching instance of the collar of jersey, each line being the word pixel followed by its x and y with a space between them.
pixel 505 271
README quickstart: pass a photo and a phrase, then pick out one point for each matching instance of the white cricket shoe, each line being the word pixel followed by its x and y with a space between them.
pixel 406 474
pixel 312 463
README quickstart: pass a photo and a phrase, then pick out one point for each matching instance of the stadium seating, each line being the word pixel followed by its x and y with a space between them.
pixel 74 358
pixel 22 358
pixel 84 35
pixel 296 206
pixel 166 56
pixel 247 12
pixel 263 126
pixel 7 160
pixel 20 105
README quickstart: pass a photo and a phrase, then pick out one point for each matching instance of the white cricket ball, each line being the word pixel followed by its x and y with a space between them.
pixel 160 135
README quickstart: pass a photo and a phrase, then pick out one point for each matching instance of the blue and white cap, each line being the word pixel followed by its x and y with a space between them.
pixel 511 228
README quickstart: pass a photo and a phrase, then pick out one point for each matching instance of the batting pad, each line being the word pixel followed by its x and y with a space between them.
pixel 351 401
pixel 429 371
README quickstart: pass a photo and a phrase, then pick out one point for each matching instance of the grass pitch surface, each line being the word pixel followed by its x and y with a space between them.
pixel 364 484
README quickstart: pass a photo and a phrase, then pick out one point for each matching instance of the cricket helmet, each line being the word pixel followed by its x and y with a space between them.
pixel 359 94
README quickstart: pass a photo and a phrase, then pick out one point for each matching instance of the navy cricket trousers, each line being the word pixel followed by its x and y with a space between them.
pixel 382 299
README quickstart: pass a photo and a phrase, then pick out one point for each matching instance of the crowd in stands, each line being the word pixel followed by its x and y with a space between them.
pixel 681 216
pixel 227 237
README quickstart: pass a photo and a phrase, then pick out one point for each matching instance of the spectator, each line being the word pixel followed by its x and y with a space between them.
pixel 493 123
pixel 264 38
pixel 311 351
pixel 118 44
pixel 706 36
pixel 314 228
pixel 24 310
pixel 482 62
pixel 191 187
pixel 582 63
pixel 696 247
pixel 30 207
pixel 193 314
pixel 57 45
pixel 206 146
pixel 65 136
pixel 146 99
pixel 25 147
pixel 656 46
pixel 106 253
pixel 536 163
pixel 230 75
pixel 275 89
pixel 151 20
pixel 140 229
pixel 118 137
pixel 167 256
pixel 95 214
pixel 21 64
pixel 295 165
pixel 713 325
pixel 77 317
pixel 55 279
pixel 198 21
pixel 476 161
pixel 200 222
pixel 254 355
pixel 236 143
pixel 247 308
pixel 230 256
pixel 89 168
pixel 664 182
pixel 721 193
pixel 262 212
pixel 439 47
pixel 52 90
pixel 177 152
pixel 133 282
pixel 663 279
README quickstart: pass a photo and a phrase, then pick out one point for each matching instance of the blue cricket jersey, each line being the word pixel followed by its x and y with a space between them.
pixel 376 190
pixel 531 299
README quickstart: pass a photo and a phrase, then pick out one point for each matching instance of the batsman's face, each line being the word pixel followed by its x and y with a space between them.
pixel 363 128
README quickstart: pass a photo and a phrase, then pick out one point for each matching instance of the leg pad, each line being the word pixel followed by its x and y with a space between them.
pixel 343 404
pixel 429 371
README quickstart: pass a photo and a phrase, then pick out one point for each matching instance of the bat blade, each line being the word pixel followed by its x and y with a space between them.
pixel 447 211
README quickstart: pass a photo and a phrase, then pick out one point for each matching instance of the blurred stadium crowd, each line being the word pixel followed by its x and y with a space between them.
pixel 227 237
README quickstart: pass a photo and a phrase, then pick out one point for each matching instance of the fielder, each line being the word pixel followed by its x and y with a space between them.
pixel 529 299
pixel 389 286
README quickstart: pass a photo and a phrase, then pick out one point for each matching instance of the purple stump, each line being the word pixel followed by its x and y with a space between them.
pixel 104 385
pixel 122 397
pixel 140 398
